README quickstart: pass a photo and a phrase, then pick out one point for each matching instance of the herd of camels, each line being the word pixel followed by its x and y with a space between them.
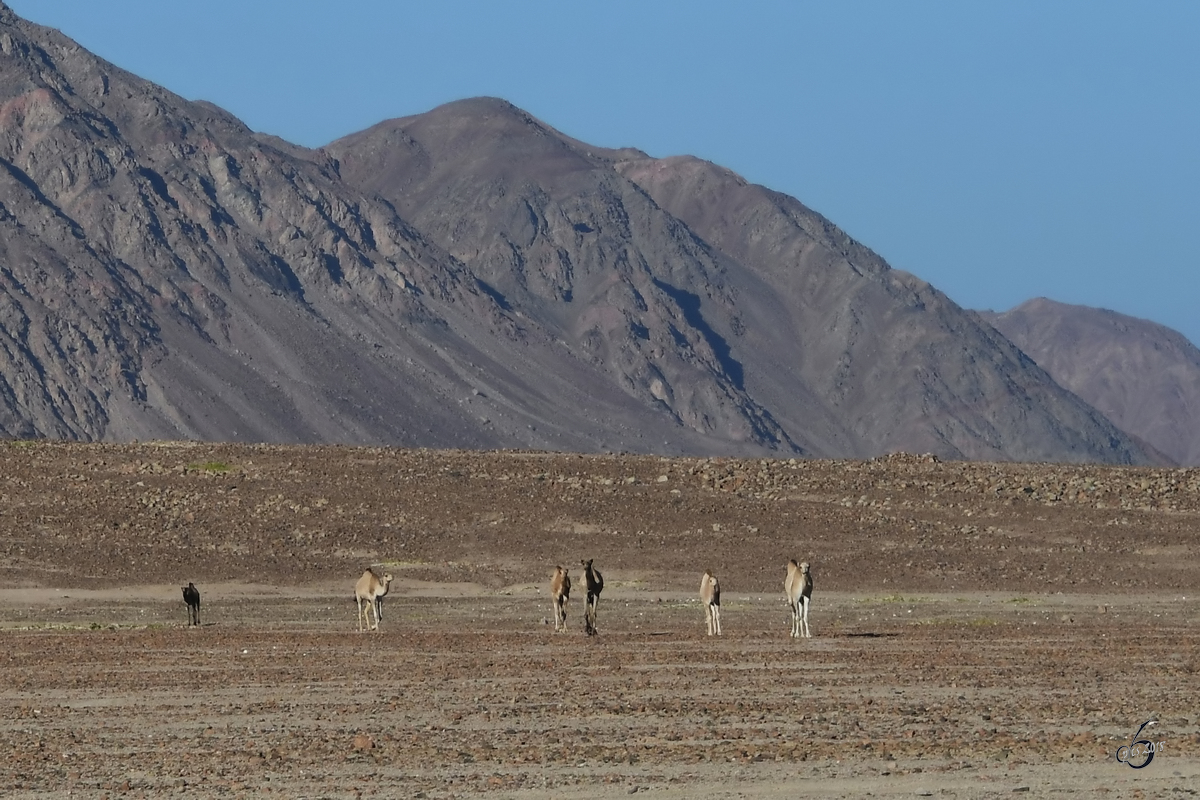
pixel 370 589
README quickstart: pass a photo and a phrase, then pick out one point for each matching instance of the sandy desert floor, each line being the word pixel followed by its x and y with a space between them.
pixel 980 630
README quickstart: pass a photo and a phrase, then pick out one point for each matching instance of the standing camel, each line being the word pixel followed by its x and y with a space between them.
pixel 595 585
pixel 798 587
pixel 368 594
pixel 560 590
pixel 191 596
pixel 710 595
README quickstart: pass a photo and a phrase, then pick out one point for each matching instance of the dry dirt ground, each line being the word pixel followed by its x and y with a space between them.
pixel 981 630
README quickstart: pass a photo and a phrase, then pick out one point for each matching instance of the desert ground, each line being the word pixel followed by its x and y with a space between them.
pixel 980 630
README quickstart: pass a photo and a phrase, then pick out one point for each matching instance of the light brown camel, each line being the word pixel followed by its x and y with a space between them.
pixel 560 590
pixel 798 586
pixel 710 595
pixel 368 593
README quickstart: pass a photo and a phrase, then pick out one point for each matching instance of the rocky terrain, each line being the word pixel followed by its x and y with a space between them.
pixel 469 278
pixel 98 516
pixel 979 629
pixel 1142 376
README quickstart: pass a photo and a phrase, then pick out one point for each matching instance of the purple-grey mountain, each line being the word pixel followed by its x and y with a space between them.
pixel 719 300
pixel 1141 375
pixel 469 277
pixel 167 273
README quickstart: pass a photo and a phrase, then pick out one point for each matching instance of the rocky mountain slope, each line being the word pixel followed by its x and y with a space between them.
pixel 470 278
pixel 169 273
pixel 670 270
pixel 1141 375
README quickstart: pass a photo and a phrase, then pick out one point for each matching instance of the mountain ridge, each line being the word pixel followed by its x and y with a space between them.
pixel 507 242
pixel 1143 376
pixel 468 277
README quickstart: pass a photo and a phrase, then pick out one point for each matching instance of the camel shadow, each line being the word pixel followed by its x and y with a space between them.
pixel 866 635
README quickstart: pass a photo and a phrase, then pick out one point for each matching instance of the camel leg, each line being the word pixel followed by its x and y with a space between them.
pixel 589 617
pixel 804 619
pixel 716 612
pixel 362 614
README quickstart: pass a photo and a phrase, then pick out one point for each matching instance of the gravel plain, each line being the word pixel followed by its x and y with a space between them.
pixel 981 630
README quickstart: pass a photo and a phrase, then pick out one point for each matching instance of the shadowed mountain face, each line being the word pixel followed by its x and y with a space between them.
pixel 904 367
pixel 1143 376
pixel 468 277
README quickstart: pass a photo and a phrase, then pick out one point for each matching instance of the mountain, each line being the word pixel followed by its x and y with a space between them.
pixel 670 270
pixel 469 277
pixel 168 273
pixel 1141 375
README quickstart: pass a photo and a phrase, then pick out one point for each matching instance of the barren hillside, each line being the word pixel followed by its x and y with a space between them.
pixel 1141 375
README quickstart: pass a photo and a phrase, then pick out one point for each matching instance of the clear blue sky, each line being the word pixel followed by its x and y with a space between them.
pixel 1000 151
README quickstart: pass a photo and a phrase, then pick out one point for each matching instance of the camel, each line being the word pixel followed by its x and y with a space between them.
pixel 191 596
pixel 368 593
pixel 595 585
pixel 798 587
pixel 560 589
pixel 710 595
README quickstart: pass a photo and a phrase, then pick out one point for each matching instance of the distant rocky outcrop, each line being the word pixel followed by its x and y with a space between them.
pixel 469 277
pixel 905 368
pixel 1141 375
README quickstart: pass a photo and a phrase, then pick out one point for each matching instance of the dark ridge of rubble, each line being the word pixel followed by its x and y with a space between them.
pixel 98 515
